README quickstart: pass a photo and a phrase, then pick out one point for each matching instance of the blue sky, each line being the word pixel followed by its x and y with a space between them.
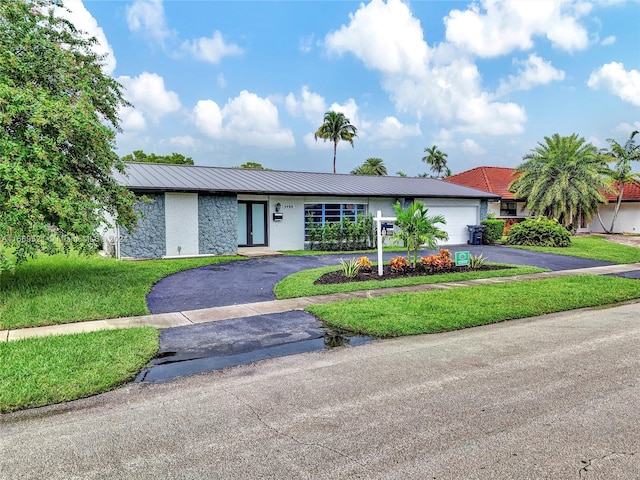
pixel 227 82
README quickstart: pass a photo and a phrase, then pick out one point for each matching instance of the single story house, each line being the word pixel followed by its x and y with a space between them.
pixel 194 210
pixel 497 179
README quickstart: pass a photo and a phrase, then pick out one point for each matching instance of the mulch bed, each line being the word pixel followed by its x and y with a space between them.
pixel 363 275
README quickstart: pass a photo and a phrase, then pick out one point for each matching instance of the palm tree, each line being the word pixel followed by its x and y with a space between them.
pixel 437 159
pixel 336 127
pixel 371 166
pixel 563 178
pixel 621 173
pixel 417 228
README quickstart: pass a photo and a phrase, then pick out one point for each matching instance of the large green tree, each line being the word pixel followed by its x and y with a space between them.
pixel 437 160
pixel 58 117
pixel 336 127
pixel 371 166
pixel 621 174
pixel 563 178
pixel 174 158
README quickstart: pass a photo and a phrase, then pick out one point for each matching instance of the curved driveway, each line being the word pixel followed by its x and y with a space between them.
pixel 253 280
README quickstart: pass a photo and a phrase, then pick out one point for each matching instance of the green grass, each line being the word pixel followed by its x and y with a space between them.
pixel 300 284
pixel 593 247
pixel 64 289
pixel 440 311
pixel 43 371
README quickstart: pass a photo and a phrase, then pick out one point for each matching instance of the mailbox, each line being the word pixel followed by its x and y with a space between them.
pixel 277 216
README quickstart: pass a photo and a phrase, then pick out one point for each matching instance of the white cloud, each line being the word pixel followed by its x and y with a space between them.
pixel 306 43
pixel 385 36
pixel 131 120
pixel 309 105
pixel 392 128
pixel 626 128
pixel 184 142
pixel 247 120
pixel 496 27
pixel 440 83
pixel 211 49
pixel 221 80
pixel 148 94
pixel 147 17
pixel 470 146
pixel 77 14
pixel 610 40
pixel 533 71
pixel 622 83
pixel 444 138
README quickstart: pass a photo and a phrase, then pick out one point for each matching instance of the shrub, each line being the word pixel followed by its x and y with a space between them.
pixel 365 263
pixel 398 264
pixel 351 268
pixel 493 230
pixel 476 261
pixel 540 232
pixel 441 261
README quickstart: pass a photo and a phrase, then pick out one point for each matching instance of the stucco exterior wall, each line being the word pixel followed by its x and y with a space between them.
pixel 217 219
pixel 148 239
pixel 181 223
pixel 628 220
pixel 288 233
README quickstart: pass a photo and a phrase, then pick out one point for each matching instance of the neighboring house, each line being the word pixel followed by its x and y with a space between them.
pixel 497 179
pixel 195 210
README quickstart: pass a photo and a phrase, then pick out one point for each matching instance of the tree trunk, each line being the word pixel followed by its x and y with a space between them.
pixel 335 148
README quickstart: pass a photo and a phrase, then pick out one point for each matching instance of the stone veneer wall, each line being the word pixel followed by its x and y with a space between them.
pixel 484 209
pixel 218 224
pixel 149 238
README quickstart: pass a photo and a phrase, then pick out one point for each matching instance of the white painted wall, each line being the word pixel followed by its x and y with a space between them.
pixel 628 220
pixel 288 233
pixel 181 223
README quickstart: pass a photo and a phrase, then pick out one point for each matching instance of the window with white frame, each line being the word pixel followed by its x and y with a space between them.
pixel 319 214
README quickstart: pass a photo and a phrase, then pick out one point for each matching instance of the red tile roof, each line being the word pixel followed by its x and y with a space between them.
pixel 490 179
pixel 497 179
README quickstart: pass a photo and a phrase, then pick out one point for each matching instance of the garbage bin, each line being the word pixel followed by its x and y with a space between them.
pixel 475 234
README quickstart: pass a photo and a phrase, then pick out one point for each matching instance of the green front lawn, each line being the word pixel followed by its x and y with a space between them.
pixel 300 284
pixel 462 307
pixel 64 289
pixel 593 247
pixel 43 371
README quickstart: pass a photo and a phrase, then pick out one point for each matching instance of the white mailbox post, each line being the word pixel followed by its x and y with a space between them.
pixel 379 219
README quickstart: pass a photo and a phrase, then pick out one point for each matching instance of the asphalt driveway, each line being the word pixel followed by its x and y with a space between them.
pixel 253 280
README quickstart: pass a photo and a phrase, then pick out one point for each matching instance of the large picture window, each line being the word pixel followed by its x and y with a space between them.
pixel 319 214
pixel 508 209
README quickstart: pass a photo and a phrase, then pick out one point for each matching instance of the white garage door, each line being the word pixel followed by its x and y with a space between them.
pixel 457 220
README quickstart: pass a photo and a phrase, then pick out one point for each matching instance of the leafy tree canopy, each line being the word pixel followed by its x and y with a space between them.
pixel 252 166
pixel 562 179
pixel 418 228
pixel 371 166
pixel 58 117
pixel 174 158
pixel 437 160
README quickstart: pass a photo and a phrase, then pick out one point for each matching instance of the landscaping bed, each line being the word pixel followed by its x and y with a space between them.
pixel 388 273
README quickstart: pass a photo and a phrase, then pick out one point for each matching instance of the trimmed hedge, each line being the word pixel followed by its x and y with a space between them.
pixel 539 232
pixel 493 230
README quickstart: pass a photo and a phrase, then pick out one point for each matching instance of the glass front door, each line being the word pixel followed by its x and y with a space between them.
pixel 252 223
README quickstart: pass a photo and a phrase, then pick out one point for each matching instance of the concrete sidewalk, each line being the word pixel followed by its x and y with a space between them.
pixel 190 317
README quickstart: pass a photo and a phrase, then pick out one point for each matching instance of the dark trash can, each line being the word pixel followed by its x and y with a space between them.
pixel 475 234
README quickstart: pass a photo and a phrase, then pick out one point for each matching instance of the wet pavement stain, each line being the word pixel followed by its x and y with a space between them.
pixel 207 347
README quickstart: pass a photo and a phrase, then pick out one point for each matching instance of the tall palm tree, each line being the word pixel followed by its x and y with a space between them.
pixel 563 178
pixel 437 159
pixel 336 127
pixel 621 173
pixel 371 166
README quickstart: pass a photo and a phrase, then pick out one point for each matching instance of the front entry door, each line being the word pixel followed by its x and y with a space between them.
pixel 252 224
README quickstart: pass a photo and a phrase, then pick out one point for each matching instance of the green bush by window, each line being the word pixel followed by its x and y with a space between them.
pixel 541 232
pixel 493 230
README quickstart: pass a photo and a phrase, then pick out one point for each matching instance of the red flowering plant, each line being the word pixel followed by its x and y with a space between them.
pixel 434 263
pixel 365 263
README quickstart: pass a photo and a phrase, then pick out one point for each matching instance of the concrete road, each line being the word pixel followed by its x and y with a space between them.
pixel 554 397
